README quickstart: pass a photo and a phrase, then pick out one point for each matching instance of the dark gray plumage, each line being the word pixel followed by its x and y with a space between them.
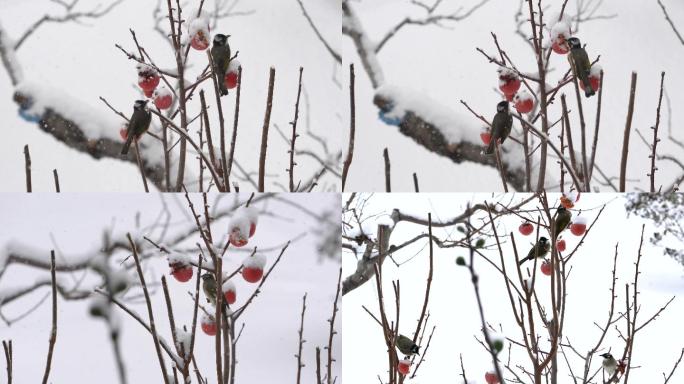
pixel 581 64
pixel 220 54
pixel 138 124
pixel 501 126
pixel 540 249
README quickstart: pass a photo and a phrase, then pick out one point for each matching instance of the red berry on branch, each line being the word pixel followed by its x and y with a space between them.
pixel 404 367
pixel 229 292
pixel 560 245
pixel 524 102
pixel 491 378
pixel 208 325
pixel 182 274
pixel 253 268
pixel 526 228
pixel 486 137
pixel 578 226
pixel 546 267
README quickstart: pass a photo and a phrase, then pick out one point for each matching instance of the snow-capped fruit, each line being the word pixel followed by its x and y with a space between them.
pixel 199 41
pixel 526 228
pixel 509 81
pixel 253 268
pixel 404 367
pixel 566 202
pixel 524 102
pixel 460 261
pixel 578 226
pixel 148 92
pixel 486 137
pixel 491 378
pixel 208 325
pixel 237 239
pixel 123 132
pixel 231 80
pixel 546 268
pixel 182 274
pixel 560 47
pixel 148 82
pixel 229 292
pixel 163 98
pixel 559 33
pixel 560 245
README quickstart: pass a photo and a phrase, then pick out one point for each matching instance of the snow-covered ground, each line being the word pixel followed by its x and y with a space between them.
pixel 453 309
pixel 82 61
pixel 443 64
pixel 74 224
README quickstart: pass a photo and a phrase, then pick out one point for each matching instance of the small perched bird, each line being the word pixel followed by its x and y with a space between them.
pixel 407 346
pixel 563 217
pixel 501 126
pixel 609 364
pixel 220 55
pixel 581 64
pixel 138 124
pixel 540 249
pixel 209 287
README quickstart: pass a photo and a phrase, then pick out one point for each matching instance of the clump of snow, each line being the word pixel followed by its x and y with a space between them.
pixel 595 71
pixel 199 25
pixel 507 74
pixel 178 259
pixel 560 31
pixel 9 57
pixel 145 70
pixel 258 261
pixel 162 91
pixel 455 126
pixel 242 220
pixel 234 65
pixel 183 340
pixel 228 286
pixel 207 319
pixel 523 95
pixel 580 220
pixel 572 195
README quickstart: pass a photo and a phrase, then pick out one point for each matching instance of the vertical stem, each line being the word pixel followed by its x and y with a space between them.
pixel 655 134
pixel 294 132
pixel 301 342
pixel 167 158
pixel 332 328
pixel 388 181
pixel 628 127
pixel 596 128
pixel 415 182
pixel 352 127
pixel 229 166
pixel 56 177
pixel 27 167
pixel 264 130
pixel 140 166
pixel 53 332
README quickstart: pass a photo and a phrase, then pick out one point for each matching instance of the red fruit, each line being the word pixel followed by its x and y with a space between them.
pixel 252 275
pixel 252 229
pixel 148 92
pixel 182 274
pixel 209 326
pixel 566 202
pixel 123 132
pixel 231 80
pixel 560 46
pixel 230 296
pixel 594 80
pixel 509 97
pixel 486 137
pixel 404 367
pixel 578 229
pixel 546 267
pixel 236 238
pixel 148 82
pixel 560 245
pixel 491 378
pixel 526 228
pixel 509 86
pixel 199 41
pixel 524 105
pixel 163 101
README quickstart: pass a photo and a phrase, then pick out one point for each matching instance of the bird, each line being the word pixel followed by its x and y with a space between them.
pixel 209 287
pixel 407 346
pixel 581 64
pixel 501 126
pixel 538 250
pixel 138 124
pixel 220 55
pixel 563 217
pixel 609 364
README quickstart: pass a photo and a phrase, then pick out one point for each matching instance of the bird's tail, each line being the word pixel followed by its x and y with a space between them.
pixel 127 144
pixel 523 260
pixel 490 148
pixel 588 89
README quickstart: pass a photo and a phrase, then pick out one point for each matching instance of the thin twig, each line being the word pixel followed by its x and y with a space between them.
pixel 332 332
pixel 56 177
pixel 53 332
pixel 138 158
pixel 388 181
pixel 352 127
pixel 628 127
pixel 301 342
pixel 27 167
pixel 655 135
pixel 294 131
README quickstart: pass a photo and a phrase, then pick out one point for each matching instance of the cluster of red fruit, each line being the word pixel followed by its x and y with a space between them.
pixel 509 84
pixel 200 32
pixel 148 80
pixel 559 33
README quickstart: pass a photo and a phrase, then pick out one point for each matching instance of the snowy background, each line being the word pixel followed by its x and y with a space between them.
pixel 453 308
pixel 81 60
pixel 444 65
pixel 74 224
